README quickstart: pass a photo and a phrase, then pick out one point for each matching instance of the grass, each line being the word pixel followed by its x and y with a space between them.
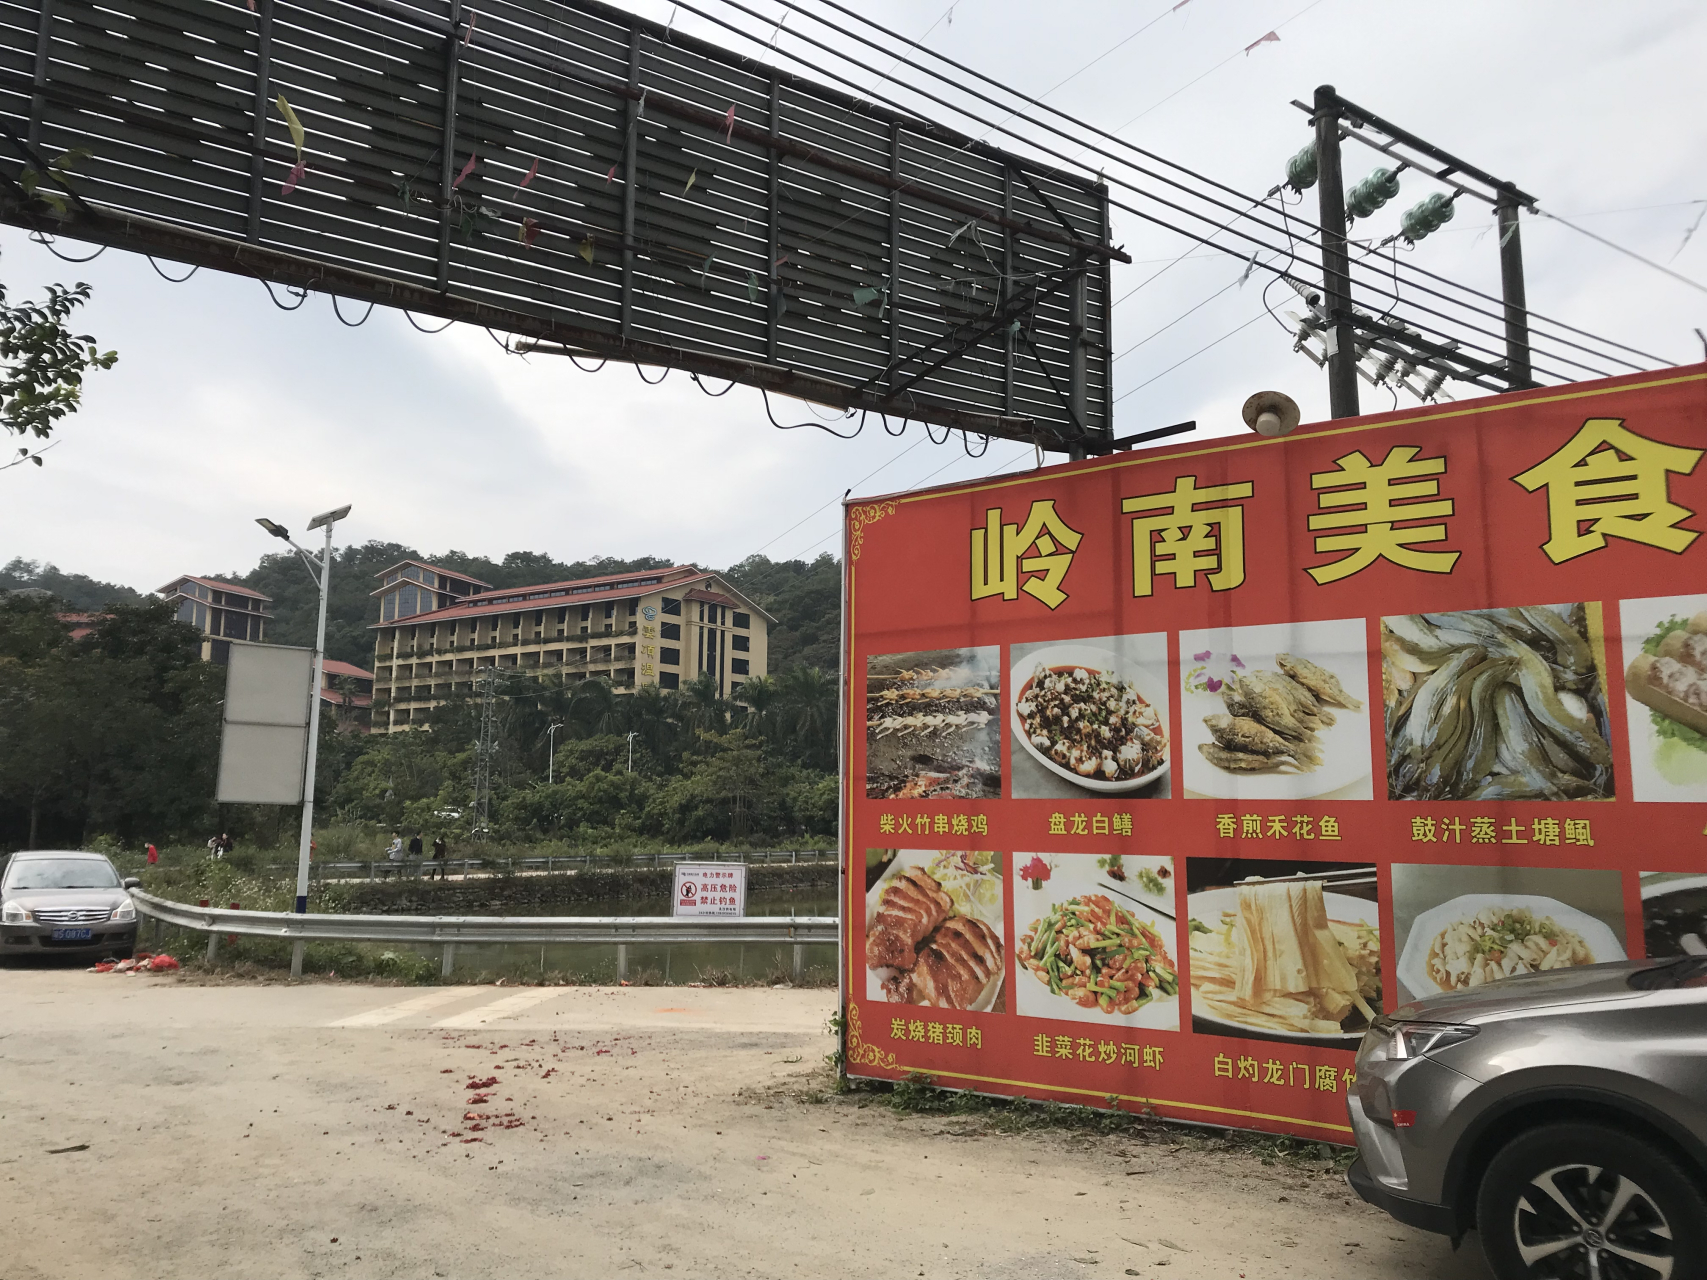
pixel 919 1097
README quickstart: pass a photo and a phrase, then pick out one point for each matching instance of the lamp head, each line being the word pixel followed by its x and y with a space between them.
pixel 277 530
pixel 1271 413
pixel 329 517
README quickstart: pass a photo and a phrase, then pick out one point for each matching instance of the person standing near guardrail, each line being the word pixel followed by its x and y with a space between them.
pixel 153 856
pixel 415 845
pixel 440 852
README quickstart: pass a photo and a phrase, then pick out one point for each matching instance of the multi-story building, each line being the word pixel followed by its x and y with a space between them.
pixel 661 627
pixel 412 587
pixel 348 690
pixel 221 611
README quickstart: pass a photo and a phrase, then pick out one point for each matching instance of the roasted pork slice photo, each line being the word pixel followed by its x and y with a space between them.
pixel 912 906
pixel 955 965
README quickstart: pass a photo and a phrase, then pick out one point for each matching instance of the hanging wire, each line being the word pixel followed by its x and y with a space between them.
pixel 946 432
pixel 301 295
pixel 354 324
pixel 708 391
pixel 884 419
pixel 583 368
pixel 411 319
pixel 46 242
pixel 966 444
pixel 164 276
pixel 648 381
pixel 795 426
pixel 502 342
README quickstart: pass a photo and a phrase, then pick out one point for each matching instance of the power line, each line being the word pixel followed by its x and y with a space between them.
pixel 1628 253
pixel 1177 363
pixel 1409 267
pixel 1191 213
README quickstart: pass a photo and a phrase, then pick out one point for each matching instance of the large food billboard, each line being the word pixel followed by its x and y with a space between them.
pixel 1168 772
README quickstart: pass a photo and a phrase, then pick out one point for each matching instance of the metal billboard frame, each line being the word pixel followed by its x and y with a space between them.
pixel 581 177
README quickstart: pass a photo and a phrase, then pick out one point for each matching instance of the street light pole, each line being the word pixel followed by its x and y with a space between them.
pixel 323 580
pixel 631 734
pixel 551 753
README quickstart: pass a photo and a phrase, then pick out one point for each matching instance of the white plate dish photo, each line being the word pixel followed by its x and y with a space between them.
pixel 1075 657
pixel 1206 906
pixel 1602 943
pixel 1340 648
pixel 988 912
pixel 1076 875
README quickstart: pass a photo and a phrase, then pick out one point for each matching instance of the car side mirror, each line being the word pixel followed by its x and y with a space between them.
pixel 131 882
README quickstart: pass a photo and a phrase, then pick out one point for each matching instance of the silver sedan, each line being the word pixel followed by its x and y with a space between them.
pixel 65 903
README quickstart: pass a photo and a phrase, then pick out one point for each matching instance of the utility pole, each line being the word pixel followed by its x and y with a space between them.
pixel 551 752
pixel 485 748
pixel 1518 371
pixel 1341 336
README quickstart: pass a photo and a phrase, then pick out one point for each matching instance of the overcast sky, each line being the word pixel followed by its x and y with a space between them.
pixel 224 408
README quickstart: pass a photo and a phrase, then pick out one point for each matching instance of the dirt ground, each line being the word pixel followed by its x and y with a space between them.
pixel 152 1127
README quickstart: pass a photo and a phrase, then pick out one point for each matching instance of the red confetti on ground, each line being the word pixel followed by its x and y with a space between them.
pixel 487 1083
pixel 466 1141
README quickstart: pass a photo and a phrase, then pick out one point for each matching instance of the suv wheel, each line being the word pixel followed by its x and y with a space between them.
pixel 1582 1200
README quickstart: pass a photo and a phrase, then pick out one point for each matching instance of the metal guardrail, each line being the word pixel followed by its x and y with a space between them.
pixel 424 868
pixel 448 931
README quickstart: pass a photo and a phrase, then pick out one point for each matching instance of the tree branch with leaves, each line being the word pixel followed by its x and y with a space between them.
pixel 42 365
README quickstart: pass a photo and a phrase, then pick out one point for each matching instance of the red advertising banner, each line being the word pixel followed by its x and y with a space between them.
pixel 1168 772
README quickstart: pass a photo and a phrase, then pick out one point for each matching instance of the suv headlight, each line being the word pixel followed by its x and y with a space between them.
pixel 14 913
pixel 1396 1041
pixel 124 912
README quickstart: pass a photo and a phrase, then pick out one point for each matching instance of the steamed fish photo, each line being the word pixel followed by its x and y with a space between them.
pixel 1496 704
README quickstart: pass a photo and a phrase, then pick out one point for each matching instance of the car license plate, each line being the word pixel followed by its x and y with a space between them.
pixel 71 935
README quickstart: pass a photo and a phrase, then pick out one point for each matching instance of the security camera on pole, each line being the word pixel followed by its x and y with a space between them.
pixel 322 579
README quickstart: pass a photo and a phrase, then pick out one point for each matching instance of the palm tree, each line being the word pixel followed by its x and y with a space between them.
pixel 705 711
pixel 759 695
pixel 593 707
pixel 808 712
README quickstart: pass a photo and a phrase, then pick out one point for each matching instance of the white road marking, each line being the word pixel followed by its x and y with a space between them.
pixel 509 1006
pixel 405 1008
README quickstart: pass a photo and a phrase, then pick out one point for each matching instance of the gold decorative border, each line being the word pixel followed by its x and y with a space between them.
pixel 860 518
pixel 859 1052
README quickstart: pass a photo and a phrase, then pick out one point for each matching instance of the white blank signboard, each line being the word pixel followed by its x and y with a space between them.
pixel 265 744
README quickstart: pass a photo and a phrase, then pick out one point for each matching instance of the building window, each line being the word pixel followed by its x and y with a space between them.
pixel 743 621
pixel 633 607
pixel 735 688
pixel 670 606
pixel 670 657
pixel 610 608
pixel 669 680
pixel 739 643
pixel 539 618
pixel 187 611
pixel 669 630
pixel 586 612
pixel 737 666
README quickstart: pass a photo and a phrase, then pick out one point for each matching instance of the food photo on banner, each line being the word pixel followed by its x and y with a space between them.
pixel 1665 679
pixel 1457 927
pixel 1211 753
pixel 933 929
pixel 931 724
pixel 1096 937
pixel 1089 718
pixel 1497 704
pixel 1284 950
pixel 1277 712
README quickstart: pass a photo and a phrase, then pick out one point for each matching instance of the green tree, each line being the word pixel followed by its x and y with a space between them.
pixel 42 364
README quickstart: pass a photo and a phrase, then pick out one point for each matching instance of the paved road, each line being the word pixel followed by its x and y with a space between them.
pixel 330 1130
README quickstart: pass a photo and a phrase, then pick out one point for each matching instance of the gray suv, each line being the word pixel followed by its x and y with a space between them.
pixel 59 903
pixel 1563 1115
